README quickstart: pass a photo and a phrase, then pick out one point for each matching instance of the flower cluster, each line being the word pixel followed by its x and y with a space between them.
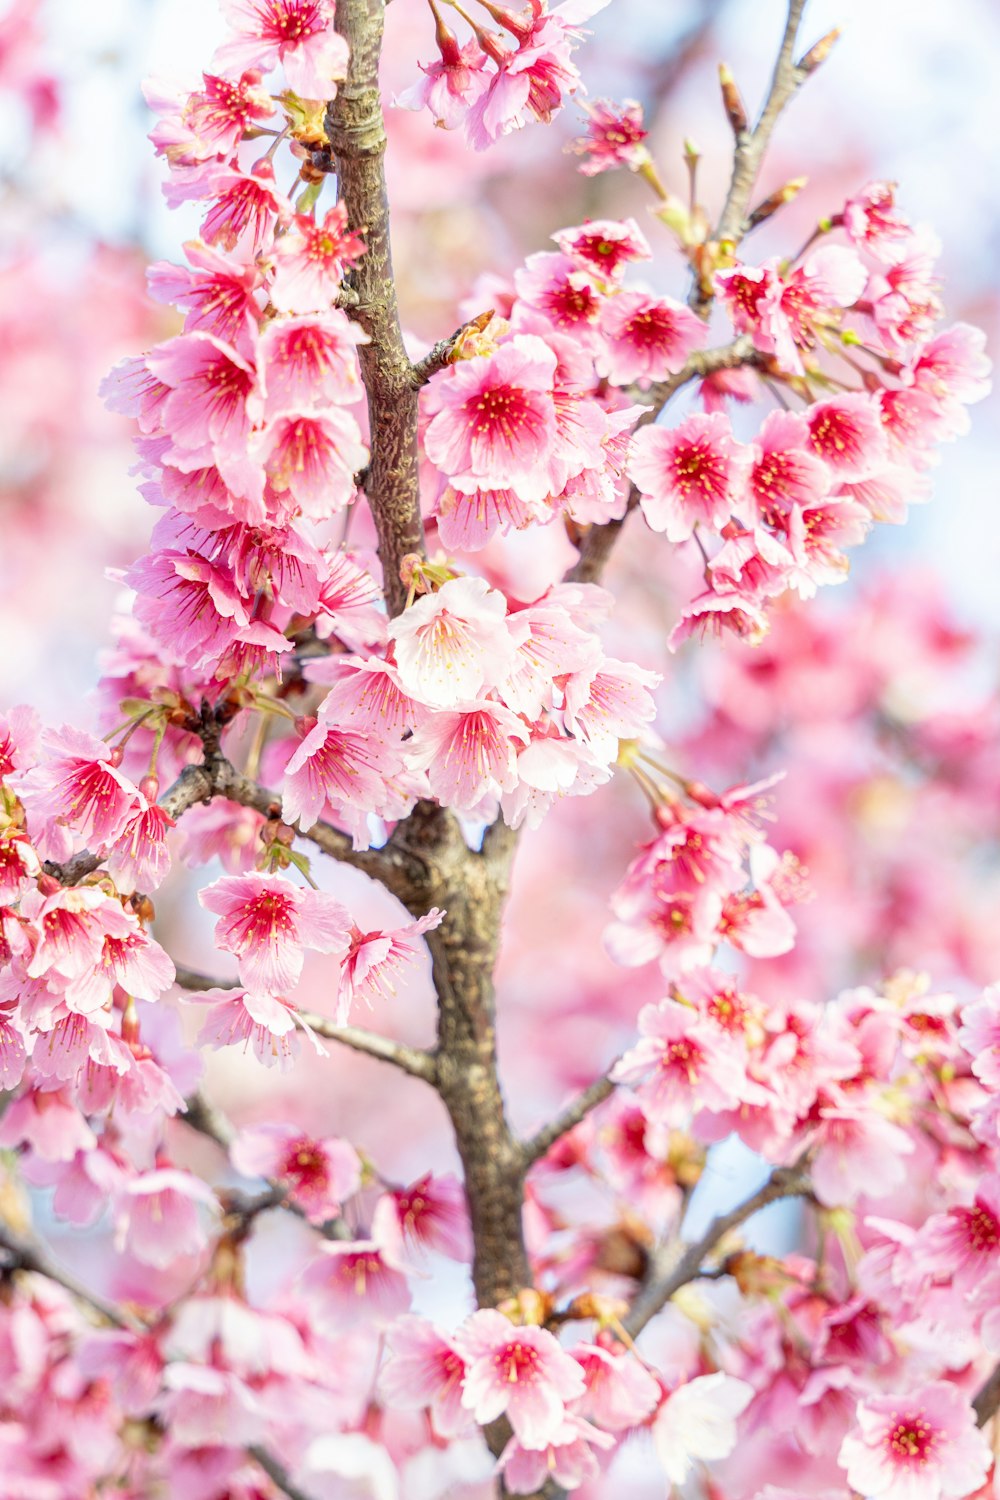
pixel 497 81
pixel 532 419
pixel 566 1407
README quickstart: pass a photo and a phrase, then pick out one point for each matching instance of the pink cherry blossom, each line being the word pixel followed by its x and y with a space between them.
pixel 679 1065
pixel 686 475
pixel 426 1370
pixel 646 338
pixel 620 1390
pixel 297 33
pixel 468 752
pixel 857 1151
pixel 604 247
pixel 80 785
pixel 244 209
pixel 269 923
pixel 312 458
pixel 493 415
pixel 139 858
pixel 374 961
pixel 614 138
pixel 261 1023
pixel 344 766
pixel 451 84
pixel 612 703
pixel 963 1244
pixel 217 294
pixel 157 1216
pixel 220 113
pixel 223 831
pixel 209 385
pixel 562 292
pixel 980 1036
pixel 356 1281
pixel 309 361
pixel 310 261
pixel 783 471
pixel 430 1214
pixel 568 1460
pixel 320 1173
pixel 920 1446
pixel 847 434
pixel 520 1372
pixel 873 221
pixel 451 644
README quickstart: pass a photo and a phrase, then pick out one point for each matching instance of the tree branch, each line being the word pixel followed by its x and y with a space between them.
pixel 436 358
pixel 681 1263
pixel 277 1474
pixel 987 1398
pixel 399 872
pixel 567 1119
pixel 412 1060
pixel 356 132
pixel 24 1255
pixel 751 145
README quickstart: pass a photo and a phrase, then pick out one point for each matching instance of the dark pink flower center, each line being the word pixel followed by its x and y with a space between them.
pixel 981 1228
pixel 499 410
pixel 305 1164
pixel 836 435
pixel 290 21
pixel 606 253
pixel 267 917
pixel 683 1056
pixel 674 920
pixel 360 1268
pixel 651 328
pixel 911 1440
pixel 568 304
pixel 91 785
pixel 728 1010
pixel 516 1361
pixel 697 469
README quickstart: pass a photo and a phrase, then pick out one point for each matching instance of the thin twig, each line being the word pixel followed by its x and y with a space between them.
pixel 412 1060
pixel 436 358
pixel 26 1255
pixel 751 145
pixel 680 1263
pixel 568 1118
pixel 277 1474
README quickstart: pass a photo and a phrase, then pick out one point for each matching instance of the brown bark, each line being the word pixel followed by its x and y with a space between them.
pixel 356 131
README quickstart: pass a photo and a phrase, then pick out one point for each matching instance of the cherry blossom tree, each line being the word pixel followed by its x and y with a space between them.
pixel 331 683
